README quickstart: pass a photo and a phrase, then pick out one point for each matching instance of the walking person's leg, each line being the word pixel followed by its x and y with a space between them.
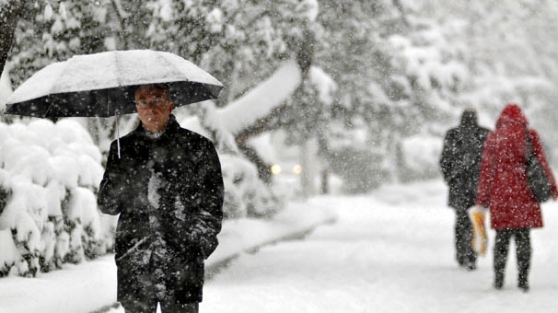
pixel 459 240
pixel 465 254
pixel 501 247
pixel 468 238
pixel 523 252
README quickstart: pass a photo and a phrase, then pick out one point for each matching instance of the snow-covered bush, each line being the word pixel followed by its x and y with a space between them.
pixel 49 174
pixel 245 194
pixel 421 154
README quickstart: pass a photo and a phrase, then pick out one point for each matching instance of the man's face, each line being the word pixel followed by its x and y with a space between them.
pixel 153 107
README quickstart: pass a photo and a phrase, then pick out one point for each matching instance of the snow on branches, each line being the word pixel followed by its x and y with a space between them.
pixel 49 174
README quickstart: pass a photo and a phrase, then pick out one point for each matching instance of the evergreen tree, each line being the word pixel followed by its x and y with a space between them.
pixel 54 31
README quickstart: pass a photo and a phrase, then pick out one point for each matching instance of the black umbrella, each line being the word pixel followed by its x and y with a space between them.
pixel 103 84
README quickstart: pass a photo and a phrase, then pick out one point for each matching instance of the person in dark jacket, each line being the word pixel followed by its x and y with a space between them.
pixel 504 189
pixel 166 184
pixel 460 165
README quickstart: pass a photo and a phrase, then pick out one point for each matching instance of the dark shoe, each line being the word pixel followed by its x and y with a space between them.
pixel 523 285
pixel 467 265
pixel 471 266
pixel 499 281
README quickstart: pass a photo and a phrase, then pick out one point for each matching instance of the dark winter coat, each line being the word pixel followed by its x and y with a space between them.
pixel 460 160
pixel 182 175
pixel 503 186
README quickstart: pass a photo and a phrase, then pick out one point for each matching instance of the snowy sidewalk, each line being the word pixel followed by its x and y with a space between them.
pixel 389 252
pixel 91 286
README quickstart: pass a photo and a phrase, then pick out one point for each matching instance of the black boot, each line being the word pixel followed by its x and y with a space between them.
pixel 470 265
pixel 522 283
pixel 499 280
pixel 524 286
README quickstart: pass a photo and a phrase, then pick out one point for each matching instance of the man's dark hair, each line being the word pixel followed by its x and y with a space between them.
pixel 159 86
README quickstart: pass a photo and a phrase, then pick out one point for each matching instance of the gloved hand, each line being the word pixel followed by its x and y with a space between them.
pixel 202 236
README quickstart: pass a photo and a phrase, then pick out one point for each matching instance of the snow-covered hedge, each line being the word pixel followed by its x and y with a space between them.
pixel 49 174
pixel 245 194
pixel 421 155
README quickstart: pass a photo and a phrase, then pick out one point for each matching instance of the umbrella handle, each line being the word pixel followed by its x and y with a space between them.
pixel 118 131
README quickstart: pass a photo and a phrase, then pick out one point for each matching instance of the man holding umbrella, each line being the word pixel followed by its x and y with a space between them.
pixel 163 180
pixel 166 184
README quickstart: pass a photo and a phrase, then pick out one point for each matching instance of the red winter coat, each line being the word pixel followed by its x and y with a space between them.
pixel 503 186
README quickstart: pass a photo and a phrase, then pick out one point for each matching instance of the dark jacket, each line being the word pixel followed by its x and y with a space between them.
pixel 167 190
pixel 461 160
pixel 503 185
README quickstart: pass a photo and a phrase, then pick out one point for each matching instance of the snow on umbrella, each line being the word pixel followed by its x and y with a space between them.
pixel 103 84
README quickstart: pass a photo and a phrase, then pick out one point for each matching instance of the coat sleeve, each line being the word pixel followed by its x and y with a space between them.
pixel 210 215
pixel 446 160
pixel 111 188
pixel 486 174
pixel 538 150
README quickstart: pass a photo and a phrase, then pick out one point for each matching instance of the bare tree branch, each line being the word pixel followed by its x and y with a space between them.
pixel 260 126
pixel 401 8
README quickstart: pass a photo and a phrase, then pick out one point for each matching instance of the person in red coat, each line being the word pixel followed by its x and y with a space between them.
pixel 504 189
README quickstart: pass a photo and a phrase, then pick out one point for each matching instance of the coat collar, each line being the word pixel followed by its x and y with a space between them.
pixel 172 127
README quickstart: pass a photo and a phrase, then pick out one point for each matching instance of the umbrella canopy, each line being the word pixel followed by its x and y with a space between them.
pixel 103 84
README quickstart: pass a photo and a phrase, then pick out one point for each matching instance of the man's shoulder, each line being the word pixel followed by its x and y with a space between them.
pixel 191 135
pixel 453 131
pixel 131 136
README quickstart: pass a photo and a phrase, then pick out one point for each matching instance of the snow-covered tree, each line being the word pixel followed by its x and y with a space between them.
pixel 355 52
pixel 408 68
pixel 54 31
pixel 9 16
pixel 512 55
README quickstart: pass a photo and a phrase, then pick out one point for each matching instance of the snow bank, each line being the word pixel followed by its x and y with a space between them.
pixel 421 154
pixel 48 210
pixel 91 286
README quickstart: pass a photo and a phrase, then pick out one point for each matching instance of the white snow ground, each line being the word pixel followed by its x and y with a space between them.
pixel 91 286
pixel 390 251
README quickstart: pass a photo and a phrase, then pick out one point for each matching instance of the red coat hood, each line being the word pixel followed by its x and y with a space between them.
pixel 512 114
pixel 503 186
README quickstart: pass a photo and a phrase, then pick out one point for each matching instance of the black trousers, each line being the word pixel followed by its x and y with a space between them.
pixel 464 252
pixel 523 251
